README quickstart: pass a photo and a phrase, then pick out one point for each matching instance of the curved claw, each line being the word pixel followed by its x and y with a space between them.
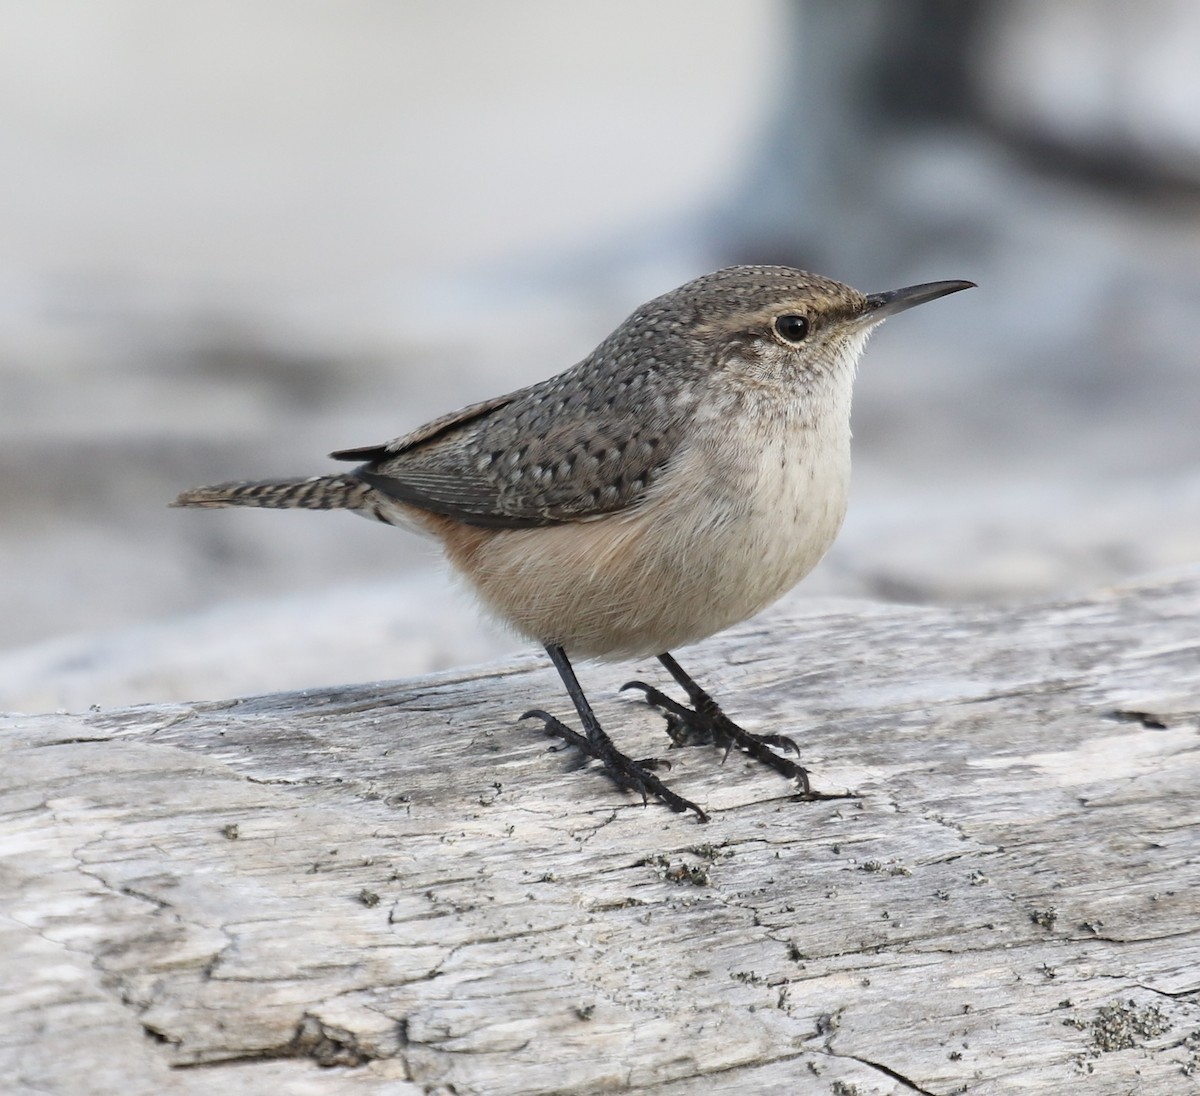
pixel 656 698
pixel 556 728
pixel 780 742
pixel 706 724
pixel 633 776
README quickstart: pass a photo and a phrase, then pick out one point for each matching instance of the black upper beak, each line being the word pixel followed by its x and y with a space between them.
pixel 882 305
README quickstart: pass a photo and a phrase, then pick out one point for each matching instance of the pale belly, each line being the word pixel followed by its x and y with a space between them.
pixel 704 552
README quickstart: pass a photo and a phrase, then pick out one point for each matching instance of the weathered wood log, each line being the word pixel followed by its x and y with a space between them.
pixel 397 881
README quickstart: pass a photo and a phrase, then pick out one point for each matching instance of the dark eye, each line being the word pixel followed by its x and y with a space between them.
pixel 791 328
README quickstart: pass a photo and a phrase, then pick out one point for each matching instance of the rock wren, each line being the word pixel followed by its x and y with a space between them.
pixel 688 472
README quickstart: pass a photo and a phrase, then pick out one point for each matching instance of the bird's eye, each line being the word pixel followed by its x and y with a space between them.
pixel 791 327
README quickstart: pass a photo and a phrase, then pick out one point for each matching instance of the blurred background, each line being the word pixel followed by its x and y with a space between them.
pixel 238 235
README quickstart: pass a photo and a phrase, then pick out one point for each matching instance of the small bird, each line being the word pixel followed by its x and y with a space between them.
pixel 682 477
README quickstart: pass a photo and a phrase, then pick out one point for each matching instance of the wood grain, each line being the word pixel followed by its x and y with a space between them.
pixel 396 888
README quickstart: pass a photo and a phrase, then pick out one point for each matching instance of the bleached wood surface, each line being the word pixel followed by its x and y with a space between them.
pixel 397 889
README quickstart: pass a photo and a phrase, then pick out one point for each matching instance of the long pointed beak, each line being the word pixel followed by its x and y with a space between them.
pixel 882 305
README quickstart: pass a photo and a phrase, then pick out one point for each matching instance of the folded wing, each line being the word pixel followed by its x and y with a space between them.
pixel 568 449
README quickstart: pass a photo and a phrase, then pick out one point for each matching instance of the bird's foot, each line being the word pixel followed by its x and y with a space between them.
pixel 707 725
pixel 622 770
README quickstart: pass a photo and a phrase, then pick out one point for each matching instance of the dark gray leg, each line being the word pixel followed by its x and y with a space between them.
pixel 705 724
pixel 622 770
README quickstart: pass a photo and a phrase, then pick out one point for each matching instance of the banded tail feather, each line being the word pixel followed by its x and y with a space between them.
pixel 314 493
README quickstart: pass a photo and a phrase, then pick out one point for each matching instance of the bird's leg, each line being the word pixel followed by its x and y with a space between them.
pixel 626 773
pixel 705 724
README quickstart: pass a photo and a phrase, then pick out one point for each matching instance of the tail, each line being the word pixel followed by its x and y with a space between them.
pixel 315 493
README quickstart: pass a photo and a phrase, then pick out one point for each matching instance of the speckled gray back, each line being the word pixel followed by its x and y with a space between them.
pixel 591 440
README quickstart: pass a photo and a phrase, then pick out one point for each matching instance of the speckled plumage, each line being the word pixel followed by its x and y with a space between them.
pixel 694 414
pixel 592 440
pixel 680 478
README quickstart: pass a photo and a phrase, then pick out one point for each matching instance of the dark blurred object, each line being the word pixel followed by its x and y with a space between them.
pixel 1105 94
pixel 1107 91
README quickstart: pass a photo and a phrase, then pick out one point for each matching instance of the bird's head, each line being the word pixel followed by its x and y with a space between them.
pixel 774 324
